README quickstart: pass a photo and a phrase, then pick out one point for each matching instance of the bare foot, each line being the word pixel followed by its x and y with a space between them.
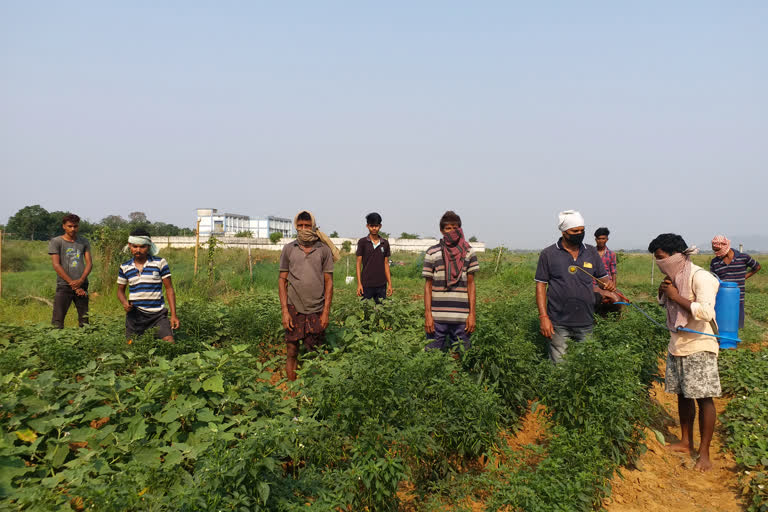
pixel 679 447
pixel 703 464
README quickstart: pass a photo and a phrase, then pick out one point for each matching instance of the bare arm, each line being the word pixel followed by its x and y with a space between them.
pixel 545 324
pixel 471 292
pixel 171 294
pixel 429 322
pixel 390 290
pixel 359 266
pixel 752 272
pixel 282 291
pixel 325 317
pixel 127 306
pixel 56 261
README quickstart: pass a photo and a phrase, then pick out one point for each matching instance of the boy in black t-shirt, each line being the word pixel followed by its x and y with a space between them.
pixel 373 278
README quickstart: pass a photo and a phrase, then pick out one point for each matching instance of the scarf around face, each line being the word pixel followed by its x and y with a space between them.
pixel 307 237
pixel 455 250
pixel 721 245
pixel 678 268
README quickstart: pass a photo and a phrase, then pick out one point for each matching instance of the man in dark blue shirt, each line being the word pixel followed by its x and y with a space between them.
pixel 731 265
pixel 564 292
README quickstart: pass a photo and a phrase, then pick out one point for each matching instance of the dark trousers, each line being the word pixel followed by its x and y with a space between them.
pixel 446 335
pixel 61 302
pixel 377 293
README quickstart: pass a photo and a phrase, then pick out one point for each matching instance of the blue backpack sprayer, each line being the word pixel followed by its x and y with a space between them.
pixel 726 313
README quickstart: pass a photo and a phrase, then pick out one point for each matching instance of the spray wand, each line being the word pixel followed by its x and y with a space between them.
pixel 626 302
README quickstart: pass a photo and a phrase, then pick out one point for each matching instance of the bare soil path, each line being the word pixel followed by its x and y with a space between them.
pixel 665 481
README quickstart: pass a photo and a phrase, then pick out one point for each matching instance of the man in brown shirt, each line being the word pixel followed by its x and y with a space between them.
pixel 305 288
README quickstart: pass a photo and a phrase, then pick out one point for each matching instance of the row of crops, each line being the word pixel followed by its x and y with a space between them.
pixel 90 421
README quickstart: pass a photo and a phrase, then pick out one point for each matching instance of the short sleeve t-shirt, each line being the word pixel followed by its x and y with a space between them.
pixel 372 274
pixel 449 305
pixel 570 297
pixel 735 271
pixel 71 256
pixel 306 275
pixel 145 287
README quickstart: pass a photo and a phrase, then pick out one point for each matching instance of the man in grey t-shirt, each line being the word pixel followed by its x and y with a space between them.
pixel 71 259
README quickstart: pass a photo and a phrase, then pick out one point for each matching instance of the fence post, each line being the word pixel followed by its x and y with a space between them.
pixel 250 262
pixel 197 243
pixel 1 263
pixel 498 258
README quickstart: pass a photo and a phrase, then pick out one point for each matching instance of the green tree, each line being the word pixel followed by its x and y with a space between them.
pixel 473 239
pixel 114 222
pixel 33 223
pixel 334 234
pixel 346 246
pixel 275 236
pixel 409 236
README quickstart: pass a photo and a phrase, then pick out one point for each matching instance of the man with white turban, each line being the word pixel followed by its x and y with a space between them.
pixel 564 293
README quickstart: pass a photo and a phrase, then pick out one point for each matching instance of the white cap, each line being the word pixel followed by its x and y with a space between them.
pixel 569 219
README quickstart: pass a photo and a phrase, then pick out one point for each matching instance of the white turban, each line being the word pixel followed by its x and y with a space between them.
pixel 569 219
pixel 144 240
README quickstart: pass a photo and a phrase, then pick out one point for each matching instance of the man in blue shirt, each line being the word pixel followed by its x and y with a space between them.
pixel 564 293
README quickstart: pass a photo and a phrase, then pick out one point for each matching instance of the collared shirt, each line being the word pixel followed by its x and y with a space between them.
pixel 704 288
pixel 306 275
pixel 570 297
pixel 735 271
pixel 374 258
pixel 609 261
pixel 146 288
pixel 449 305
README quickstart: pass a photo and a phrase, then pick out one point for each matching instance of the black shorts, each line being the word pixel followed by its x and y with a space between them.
pixel 137 322
pixel 377 293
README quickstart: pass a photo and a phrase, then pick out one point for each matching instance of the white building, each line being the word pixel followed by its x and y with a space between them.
pixel 229 224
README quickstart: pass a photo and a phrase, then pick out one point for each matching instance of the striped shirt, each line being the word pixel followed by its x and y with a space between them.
pixel 735 271
pixel 448 306
pixel 146 289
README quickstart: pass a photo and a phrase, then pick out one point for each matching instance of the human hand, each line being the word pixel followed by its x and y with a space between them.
pixel 127 306
pixel 608 284
pixel 175 322
pixel 429 323
pixel 470 326
pixel 75 284
pixel 81 293
pixel 287 320
pixel 359 290
pixel 390 290
pixel 325 320
pixel 545 327
pixel 669 289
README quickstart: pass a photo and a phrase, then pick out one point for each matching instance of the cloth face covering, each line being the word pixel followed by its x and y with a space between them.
pixel 455 250
pixel 574 239
pixel 721 245
pixel 144 240
pixel 307 237
pixel 678 268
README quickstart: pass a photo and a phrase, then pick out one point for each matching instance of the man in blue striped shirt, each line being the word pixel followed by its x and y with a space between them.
pixel 145 275
pixel 731 265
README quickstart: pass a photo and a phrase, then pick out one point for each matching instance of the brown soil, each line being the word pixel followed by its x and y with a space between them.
pixel 664 481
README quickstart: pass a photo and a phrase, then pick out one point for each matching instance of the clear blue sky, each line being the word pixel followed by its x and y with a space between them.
pixel 646 116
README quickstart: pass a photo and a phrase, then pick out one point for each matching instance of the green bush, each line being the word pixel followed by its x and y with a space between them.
pixel 15 258
pixel 275 237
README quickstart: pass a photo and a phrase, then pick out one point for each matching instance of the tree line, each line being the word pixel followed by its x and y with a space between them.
pixel 36 223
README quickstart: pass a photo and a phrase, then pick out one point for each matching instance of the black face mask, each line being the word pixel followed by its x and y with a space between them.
pixel 574 239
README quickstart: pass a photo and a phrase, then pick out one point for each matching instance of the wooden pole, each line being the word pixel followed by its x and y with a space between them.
pixel 1 263
pixel 498 258
pixel 250 261
pixel 197 243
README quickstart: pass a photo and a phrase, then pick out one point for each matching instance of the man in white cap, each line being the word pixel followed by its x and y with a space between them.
pixel 564 293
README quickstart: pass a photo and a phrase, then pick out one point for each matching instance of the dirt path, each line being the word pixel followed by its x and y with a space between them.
pixel 665 481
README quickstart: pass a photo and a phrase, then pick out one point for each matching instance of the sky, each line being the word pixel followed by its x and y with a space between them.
pixel 648 117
